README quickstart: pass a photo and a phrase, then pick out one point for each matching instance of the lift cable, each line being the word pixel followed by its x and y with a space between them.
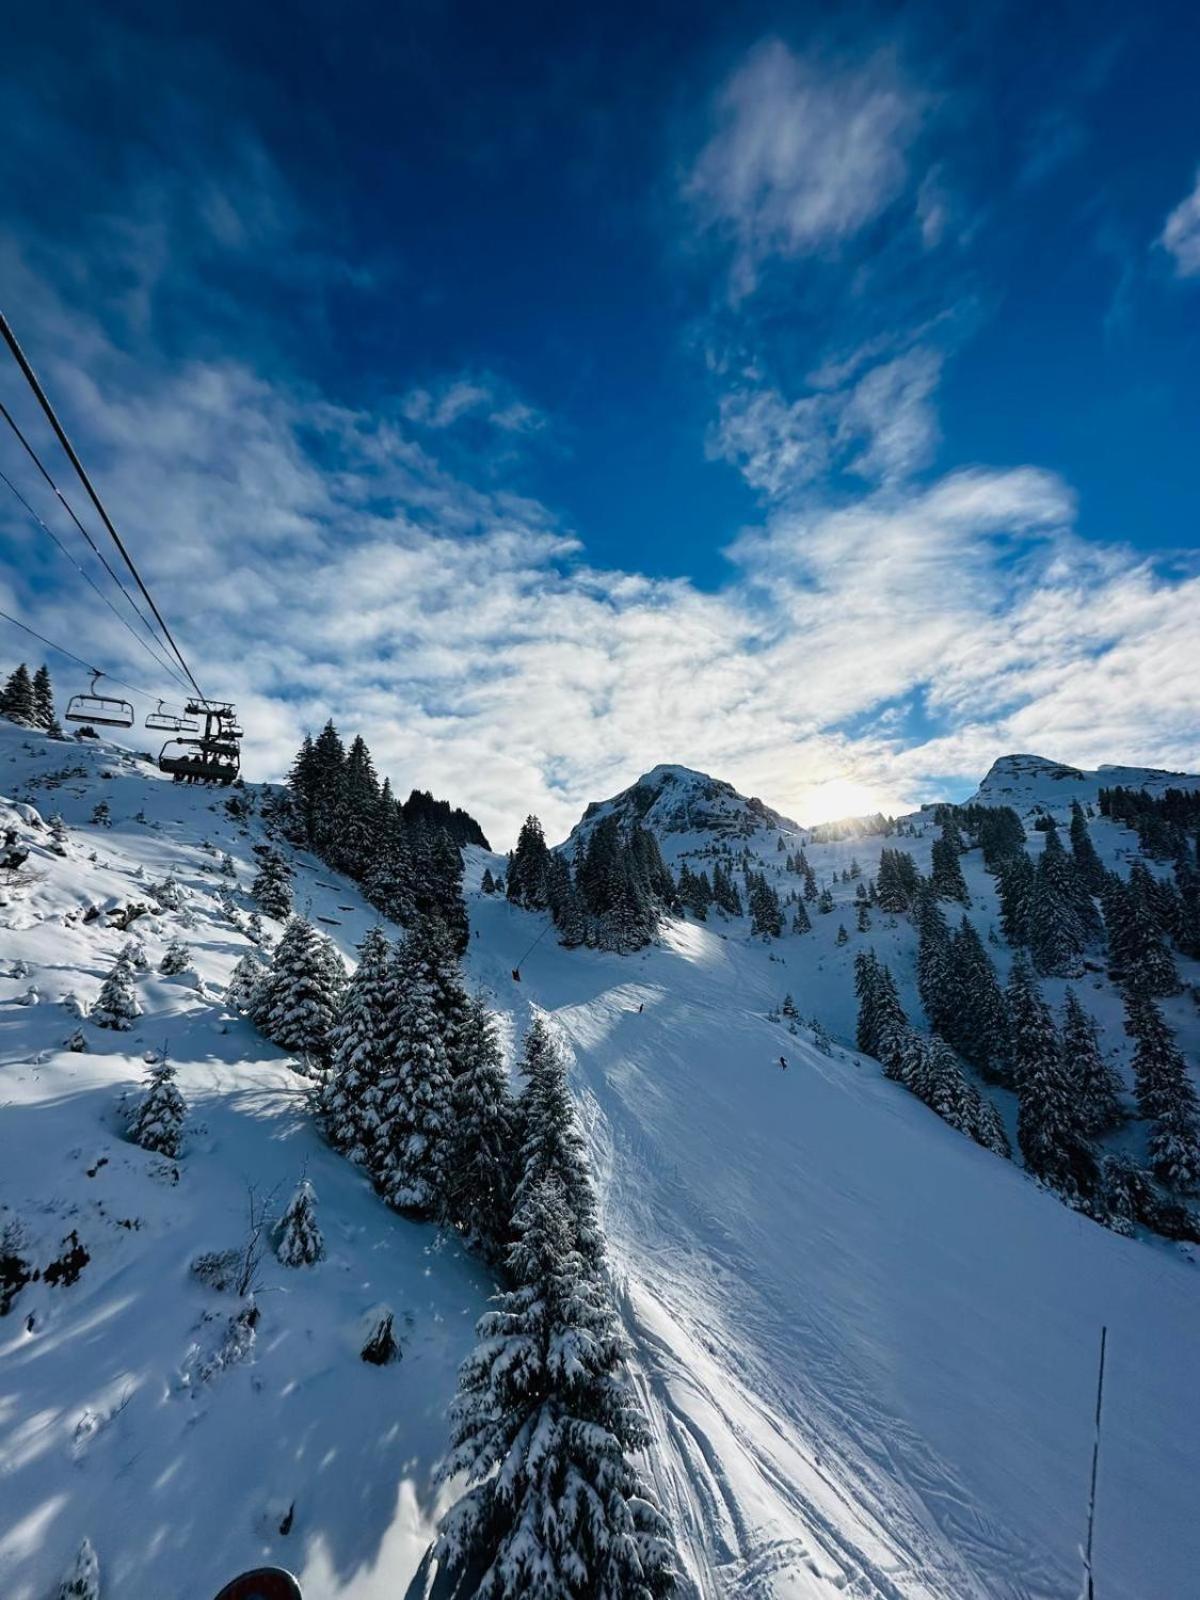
pixel 31 378
pixel 70 510
pixel 61 650
pixel 159 661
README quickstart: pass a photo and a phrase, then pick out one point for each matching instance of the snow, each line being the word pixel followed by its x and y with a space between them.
pixel 1031 783
pixel 866 1346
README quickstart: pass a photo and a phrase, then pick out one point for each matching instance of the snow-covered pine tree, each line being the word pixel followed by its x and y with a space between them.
pixel 1060 928
pixel 487 884
pixel 825 901
pixel 543 1396
pixel 563 900
pixel 527 873
pixel 43 702
pixel 177 958
pixel 298 1240
pixel 350 1105
pixel 82 1579
pixel 414 1138
pixel 549 1139
pixel 864 917
pixel 946 871
pixel 117 1003
pixel 1092 1080
pixel 272 887
pixel 1087 862
pixel 241 991
pixel 898 882
pixel 1145 964
pixel 976 1023
pixel 882 1023
pixel 1016 882
pixel 157 1124
pixel 228 870
pixel 296 1002
pixel 1049 1126
pixel 17 700
pixel 482 1136
pixel 841 937
pixel 801 921
pixel 935 973
pixel 1166 1095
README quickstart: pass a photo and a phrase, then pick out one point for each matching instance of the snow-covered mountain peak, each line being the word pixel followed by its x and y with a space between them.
pixel 671 799
pixel 1031 783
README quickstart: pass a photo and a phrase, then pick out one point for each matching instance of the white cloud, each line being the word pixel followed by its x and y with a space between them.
pixel 1181 234
pixel 882 427
pixel 803 156
pixel 319 560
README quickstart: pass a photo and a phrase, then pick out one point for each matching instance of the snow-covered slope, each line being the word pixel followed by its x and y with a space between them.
pixel 867 1347
pixel 107 1428
pixel 1031 783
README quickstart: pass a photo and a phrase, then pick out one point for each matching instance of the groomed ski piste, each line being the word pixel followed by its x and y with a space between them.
pixel 867 1347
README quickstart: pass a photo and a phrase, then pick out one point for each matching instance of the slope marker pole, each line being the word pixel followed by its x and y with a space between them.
pixel 1087 1560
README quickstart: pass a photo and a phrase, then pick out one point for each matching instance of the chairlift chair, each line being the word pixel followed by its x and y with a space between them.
pixel 200 760
pixel 108 709
pixel 164 722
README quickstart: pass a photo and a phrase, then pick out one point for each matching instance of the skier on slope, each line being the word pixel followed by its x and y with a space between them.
pixel 783 1063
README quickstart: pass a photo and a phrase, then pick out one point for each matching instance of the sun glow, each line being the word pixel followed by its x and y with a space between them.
pixel 838 798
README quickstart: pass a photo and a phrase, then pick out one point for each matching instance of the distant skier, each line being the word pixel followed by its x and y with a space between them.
pixel 783 1062
pixel 641 1008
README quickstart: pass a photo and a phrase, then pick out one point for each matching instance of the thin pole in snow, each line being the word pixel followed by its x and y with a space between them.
pixel 1087 1560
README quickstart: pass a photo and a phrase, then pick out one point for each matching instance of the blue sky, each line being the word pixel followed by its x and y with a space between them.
pixel 552 393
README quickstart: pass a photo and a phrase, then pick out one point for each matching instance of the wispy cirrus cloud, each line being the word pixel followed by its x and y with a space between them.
pixel 880 427
pixel 1181 234
pixel 802 156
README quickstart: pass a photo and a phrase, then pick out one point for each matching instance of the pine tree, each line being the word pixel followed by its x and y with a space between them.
pixel 327 768
pixel 935 977
pixel 527 873
pixel 976 1022
pixel 947 874
pixel 1083 851
pixel 272 887
pixel 1093 1082
pixel 17 701
pixel 157 1124
pixel 117 1003
pixel 864 918
pixel 241 991
pixel 487 884
pixel 549 1138
pixel 1059 927
pixel 296 1002
pixel 389 878
pixel 1049 1127
pixel 350 1104
pixel 842 937
pixel 298 1241
pixel 801 921
pixel 43 702
pixel 1144 962
pixel 176 959
pixel 543 1397
pixel 416 1108
pixel 810 884
pixel 881 1019
pixel 82 1580
pixel 481 1139
pixel 1166 1095
pixel 1016 883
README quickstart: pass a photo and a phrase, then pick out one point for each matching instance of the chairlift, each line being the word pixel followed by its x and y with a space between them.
pixel 165 722
pixel 200 761
pixel 110 710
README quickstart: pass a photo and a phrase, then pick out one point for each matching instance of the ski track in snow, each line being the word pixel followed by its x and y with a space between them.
pixel 865 1347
